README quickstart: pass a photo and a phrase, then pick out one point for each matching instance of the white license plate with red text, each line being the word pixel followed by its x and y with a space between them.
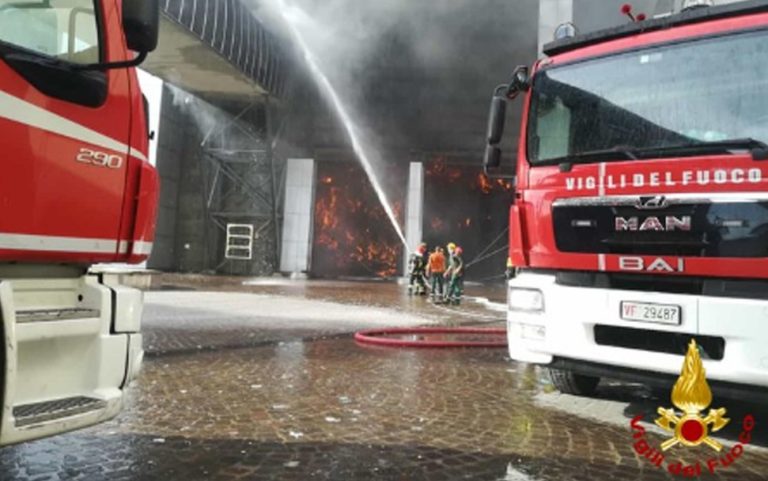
pixel 651 312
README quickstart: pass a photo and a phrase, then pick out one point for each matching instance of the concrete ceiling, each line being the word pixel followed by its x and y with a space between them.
pixel 185 61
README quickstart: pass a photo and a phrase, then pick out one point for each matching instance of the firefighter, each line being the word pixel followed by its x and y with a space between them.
pixel 455 277
pixel 435 271
pixel 451 249
pixel 416 270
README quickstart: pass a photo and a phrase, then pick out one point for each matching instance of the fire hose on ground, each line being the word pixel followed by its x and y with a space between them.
pixel 434 337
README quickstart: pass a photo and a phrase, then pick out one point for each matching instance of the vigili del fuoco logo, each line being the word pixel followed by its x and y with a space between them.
pixel 689 428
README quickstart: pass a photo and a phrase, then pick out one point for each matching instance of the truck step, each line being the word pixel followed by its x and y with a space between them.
pixel 36 413
pixel 48 315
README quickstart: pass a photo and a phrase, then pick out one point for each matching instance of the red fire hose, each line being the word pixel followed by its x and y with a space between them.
pixel 434 337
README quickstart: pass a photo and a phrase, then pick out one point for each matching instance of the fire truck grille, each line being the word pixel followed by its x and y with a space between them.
pixel 714 229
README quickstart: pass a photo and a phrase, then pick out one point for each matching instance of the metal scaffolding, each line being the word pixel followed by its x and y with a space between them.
pixel 240 188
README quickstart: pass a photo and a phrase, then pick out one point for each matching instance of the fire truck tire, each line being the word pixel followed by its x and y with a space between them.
pixel 568 382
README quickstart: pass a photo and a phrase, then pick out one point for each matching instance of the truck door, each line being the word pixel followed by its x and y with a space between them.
pixel 64 130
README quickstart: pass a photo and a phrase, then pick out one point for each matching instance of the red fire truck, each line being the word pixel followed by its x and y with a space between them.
pixel 76 189
pixel 640 217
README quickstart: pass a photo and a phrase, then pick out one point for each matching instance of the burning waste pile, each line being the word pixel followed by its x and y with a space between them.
pixel 352 236
pixel 468 208
pixel 449 189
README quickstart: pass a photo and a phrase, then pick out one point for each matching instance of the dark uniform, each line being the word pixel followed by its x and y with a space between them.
pixel 417 266
pixel 455 273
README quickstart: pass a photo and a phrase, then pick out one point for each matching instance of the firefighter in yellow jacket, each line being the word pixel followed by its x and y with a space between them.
pixel 455 277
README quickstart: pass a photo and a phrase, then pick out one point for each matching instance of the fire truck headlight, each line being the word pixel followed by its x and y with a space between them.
pixel 526 300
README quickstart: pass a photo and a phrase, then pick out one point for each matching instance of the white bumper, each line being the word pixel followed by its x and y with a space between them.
pixel 565 329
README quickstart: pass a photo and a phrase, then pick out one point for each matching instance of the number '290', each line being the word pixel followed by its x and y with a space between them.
pixel 99 159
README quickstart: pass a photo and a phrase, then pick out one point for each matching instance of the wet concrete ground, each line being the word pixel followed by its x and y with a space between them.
pixel 267 383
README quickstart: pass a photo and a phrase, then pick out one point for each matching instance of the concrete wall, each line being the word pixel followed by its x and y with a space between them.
pixel 592 15
pixel 551 14
pixel 192 241
pixel 170 151
pixel 181 226
pixel 587 15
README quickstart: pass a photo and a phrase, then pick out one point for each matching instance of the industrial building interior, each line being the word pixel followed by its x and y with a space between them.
pixel 233 125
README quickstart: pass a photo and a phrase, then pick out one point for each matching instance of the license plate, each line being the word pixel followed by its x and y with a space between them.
pixel 650 312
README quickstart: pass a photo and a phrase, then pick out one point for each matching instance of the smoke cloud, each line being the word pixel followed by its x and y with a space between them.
pixel 346 33
pixel 416 74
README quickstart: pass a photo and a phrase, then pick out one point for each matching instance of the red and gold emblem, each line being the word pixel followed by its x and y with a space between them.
pixel 691 395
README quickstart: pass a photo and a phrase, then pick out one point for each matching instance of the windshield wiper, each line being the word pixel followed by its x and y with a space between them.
pixel 567 162
pixel 757 148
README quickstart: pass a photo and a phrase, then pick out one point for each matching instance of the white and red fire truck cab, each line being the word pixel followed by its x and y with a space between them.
pixel 640 217
pixel 76 189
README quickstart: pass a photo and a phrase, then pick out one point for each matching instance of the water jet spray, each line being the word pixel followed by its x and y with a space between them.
pixel 289 14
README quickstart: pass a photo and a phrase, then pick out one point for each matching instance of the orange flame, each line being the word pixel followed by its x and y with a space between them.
pixel 484 183
pixel 487 186
pixel 505 184
pixel 439 167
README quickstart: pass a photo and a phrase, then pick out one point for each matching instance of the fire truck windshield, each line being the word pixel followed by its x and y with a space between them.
pixel 688 98
pixel 64 29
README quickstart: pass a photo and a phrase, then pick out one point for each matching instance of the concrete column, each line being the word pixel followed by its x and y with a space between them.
pixel 414 212
pixel 551 14
pixel 297 216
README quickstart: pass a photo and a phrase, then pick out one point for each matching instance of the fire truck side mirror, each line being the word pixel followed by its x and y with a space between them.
pixel 520 82
pixel 496 119
pixel 141 23
pixel 492 158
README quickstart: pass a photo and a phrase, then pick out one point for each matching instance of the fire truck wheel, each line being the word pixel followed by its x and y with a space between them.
pixel 568 382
